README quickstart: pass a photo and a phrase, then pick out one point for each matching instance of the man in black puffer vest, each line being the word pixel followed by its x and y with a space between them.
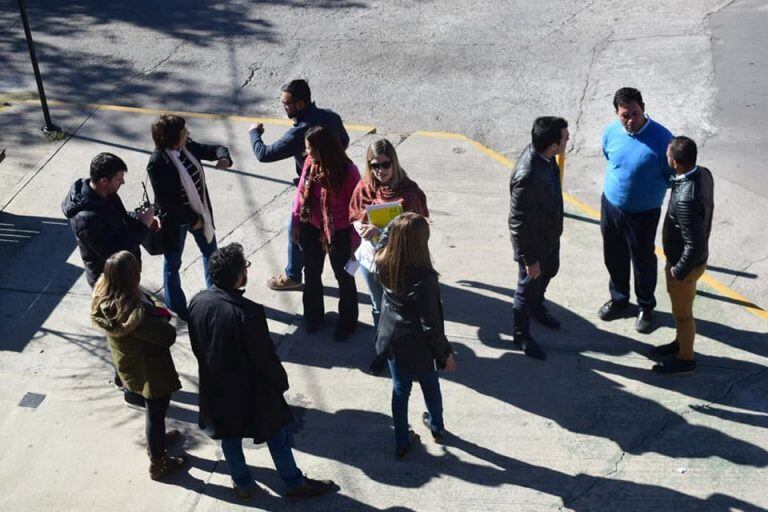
pixel 685 238
pixel 98 218
pixel 535 226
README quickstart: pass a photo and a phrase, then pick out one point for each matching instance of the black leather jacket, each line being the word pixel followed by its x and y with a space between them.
pixel 535 207
pixel 688 222
pixel 411 323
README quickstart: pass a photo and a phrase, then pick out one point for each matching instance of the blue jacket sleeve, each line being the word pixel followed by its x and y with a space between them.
pixel 289 145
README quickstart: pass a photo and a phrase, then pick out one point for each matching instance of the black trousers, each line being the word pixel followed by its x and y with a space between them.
pixel 154 414
pixel 529 295
pixel 314 260
pixel 629 237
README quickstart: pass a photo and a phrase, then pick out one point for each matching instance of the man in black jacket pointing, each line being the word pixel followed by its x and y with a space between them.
pixel 535 226
pixel 686 246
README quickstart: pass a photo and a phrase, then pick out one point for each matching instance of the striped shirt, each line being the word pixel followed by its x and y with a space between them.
pixel 195 174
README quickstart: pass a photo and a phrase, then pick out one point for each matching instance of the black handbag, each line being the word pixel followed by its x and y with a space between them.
pixel 154 242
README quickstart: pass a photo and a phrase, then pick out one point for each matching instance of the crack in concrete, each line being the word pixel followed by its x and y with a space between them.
pixel 749 265
pixel 599 47
pixel 252 69
pixel 568 19
pixel 678 418
pixel 160 63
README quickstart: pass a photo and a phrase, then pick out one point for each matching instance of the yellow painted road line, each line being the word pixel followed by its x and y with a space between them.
pixel 707 278
pixel 194 115
pixel 495 155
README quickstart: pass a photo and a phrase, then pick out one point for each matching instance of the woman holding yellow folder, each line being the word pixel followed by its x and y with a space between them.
pixel 384 182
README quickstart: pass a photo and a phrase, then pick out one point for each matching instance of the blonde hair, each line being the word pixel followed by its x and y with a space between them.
pixel 407 246
pixel 383 147
pixel 117 289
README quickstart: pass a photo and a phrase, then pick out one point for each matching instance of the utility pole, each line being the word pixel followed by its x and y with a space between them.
pixel 50 129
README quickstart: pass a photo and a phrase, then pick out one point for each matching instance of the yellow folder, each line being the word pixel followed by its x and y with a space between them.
pixel 381 214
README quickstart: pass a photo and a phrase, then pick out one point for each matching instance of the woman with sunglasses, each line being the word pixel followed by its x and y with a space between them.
pixel 321 225
pixel 384 182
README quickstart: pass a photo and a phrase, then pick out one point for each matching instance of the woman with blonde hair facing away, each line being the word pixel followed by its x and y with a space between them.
pixel 139 338
pixel 384 182
pixel 321 225
pixel 411 326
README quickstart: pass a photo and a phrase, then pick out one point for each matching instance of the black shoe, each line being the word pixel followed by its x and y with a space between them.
pixel 437 435
pixel 545 318
pixel 530 348
pixel 644 320
pixel 611 310
pixel 675 366
pixel 413 438
pixel 311 487
pixel 243 492
pixel 344 330
pixel 666 350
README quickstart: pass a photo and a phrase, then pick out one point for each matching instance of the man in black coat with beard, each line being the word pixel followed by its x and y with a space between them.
pixel 535 226
pixel 242 380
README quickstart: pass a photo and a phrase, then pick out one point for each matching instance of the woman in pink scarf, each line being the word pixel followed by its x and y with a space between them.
pixel 321 225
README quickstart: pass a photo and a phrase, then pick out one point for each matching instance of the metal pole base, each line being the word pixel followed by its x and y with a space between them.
pixel 53 132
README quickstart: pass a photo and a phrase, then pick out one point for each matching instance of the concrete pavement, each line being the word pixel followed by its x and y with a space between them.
pixel 590 429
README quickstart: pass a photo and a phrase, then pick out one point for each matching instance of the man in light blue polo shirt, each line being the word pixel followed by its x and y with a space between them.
pixel 636 178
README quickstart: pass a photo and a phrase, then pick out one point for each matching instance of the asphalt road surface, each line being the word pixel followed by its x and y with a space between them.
pixel 484 69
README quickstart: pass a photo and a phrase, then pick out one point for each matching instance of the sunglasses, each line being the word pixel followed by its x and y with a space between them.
pixel 379 166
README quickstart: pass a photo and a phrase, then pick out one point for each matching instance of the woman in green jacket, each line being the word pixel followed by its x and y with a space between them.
pixel 140 338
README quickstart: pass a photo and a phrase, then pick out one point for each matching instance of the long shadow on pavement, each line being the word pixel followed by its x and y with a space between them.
pixel 365 433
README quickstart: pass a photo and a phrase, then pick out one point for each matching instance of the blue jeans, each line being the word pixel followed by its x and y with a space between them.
pixel 173 295
pixel 282 457
pixel 376 292
pixel 402 381
pixel 295 257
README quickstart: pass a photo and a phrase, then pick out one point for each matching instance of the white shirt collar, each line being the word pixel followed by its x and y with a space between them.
pixel 683 176
pixel 641 130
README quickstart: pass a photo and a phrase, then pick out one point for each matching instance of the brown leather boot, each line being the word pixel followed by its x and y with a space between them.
pixel 165 465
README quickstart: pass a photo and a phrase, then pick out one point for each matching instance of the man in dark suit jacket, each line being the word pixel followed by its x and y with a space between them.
pixel 535 226
pixel 296 98
pixel 242 381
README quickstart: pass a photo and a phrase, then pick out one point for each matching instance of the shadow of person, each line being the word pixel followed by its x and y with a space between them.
pixel 367 436
pixel 263 499
pixel 582 397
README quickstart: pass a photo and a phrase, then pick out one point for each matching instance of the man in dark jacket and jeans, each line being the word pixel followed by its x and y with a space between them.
pixel 242 381
pixel 296 98
pixel 535 226
pixel 686 245
pixel 98 218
